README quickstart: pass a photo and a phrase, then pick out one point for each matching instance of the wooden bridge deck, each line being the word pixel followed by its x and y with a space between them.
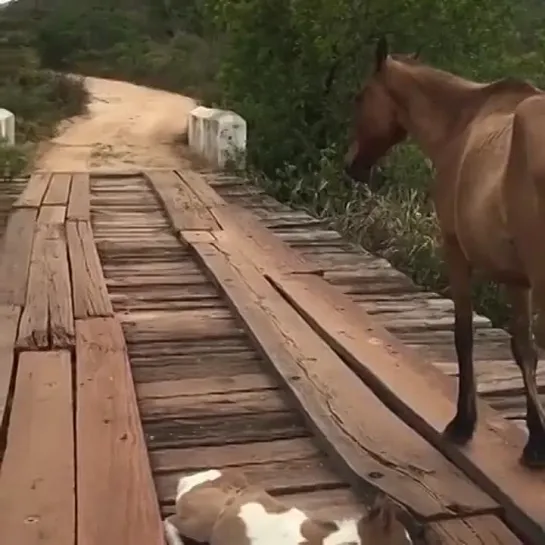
pixel 150 326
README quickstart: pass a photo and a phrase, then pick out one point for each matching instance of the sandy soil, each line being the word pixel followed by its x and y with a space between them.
pixel 126 126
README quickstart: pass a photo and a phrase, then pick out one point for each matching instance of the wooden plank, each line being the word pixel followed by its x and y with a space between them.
pixel 34 192
pixel 480 530
pixel 59 189
pixel 79 202
pixel 399 376
pixel 203 386
pixel 112 458
pixel 276 477
pixel 47 319
pixel 199 458
pixel 266 249
pixel 197 236
pixel 330 398
pixel 9 320
pixel 180 325
pixel 59 292
pixel 224 430
pixel 91 298
pixel 34 324
pixel 184 208
pixel 199 186
pixel 15 257
pixel 37 481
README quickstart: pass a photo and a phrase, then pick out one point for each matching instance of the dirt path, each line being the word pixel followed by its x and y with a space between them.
pixel 126 126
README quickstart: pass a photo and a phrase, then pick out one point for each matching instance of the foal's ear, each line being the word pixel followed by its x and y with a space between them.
pixel 381 52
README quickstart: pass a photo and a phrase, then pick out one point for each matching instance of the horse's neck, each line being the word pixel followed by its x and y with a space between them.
pixel 434 105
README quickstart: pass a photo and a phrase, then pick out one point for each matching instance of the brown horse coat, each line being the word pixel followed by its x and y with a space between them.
pixel 485 141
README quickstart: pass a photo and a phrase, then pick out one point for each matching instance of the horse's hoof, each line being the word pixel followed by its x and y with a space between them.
pixel 533 455
pixel 459 431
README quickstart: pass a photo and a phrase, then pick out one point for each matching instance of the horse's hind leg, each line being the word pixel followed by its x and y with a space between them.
pixel 525 355
pixel 461 428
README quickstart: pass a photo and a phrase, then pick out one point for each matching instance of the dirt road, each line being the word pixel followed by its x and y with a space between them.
pixel 126 126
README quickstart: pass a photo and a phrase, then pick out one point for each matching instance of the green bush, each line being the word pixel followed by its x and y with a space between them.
pixel 38 97
pixel 297 98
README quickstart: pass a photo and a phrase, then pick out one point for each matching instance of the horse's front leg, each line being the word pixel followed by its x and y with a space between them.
pixel 525 355
pixel 461 428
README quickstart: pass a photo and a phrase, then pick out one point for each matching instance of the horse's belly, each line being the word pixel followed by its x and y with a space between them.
pixel 484 236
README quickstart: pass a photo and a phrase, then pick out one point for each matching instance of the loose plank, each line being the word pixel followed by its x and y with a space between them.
pixel 184 208
pixel 265 249
pixel 59 189
pixel 34 324
pixel 37 481
pixel 34 192
pixel 9 320
pixel 325 390
pixel 15 257
pixel 91 297
pixel 79 202
pixel 399 376
pixel 47 319
pixel 116 500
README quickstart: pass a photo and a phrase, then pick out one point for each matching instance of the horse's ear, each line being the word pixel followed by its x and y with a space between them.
pixel 381 52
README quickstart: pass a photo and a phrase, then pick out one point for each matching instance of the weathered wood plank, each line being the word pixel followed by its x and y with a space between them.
pixel 198 184
pixel 15 256
pixel 79 202
pixel 199 458
pixel 37 481
pixel 9 320
pixel 111 452
pixel 184 208
pixel 47 319
pixel 58 190
pixel 34 192
pixel 480 530
pixel 399 376
pixel 34 324
pixel 276 477
pixel 197 236
pixel 90 293
pixel 266 249
pixel 327 394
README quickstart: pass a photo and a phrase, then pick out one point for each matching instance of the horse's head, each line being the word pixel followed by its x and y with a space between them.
pixel 382 524
pixel 376 118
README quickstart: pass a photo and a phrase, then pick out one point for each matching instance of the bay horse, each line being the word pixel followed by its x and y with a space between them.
pixel 487 144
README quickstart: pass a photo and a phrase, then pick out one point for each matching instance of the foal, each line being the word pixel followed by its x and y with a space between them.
pixel 486 143
pixel 224 508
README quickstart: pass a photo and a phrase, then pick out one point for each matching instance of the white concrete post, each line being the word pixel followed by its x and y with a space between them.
pixel 7 127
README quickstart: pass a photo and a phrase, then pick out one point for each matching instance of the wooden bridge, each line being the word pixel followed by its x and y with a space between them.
pixel 157 323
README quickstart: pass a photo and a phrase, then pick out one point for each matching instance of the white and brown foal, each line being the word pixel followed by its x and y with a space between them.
pixel 223 508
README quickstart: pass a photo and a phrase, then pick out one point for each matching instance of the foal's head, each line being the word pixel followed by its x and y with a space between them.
pixel 382 524
pixel 377 120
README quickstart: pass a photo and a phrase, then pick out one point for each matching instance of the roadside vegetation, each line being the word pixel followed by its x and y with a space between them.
pixel 39 97
pixel 291 68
